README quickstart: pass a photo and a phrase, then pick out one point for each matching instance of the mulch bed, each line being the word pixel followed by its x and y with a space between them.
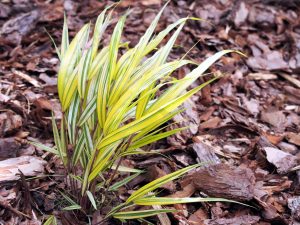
pixel 246 123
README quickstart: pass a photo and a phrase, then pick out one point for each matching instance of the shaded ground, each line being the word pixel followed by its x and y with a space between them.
pixel 247 122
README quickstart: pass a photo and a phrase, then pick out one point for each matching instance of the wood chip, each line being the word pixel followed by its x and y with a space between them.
pixel 294 206
pixel 27 78
pixel 239 220
pixel 276 118
pixel 28 165
pixel 163 217
pixel 293 138
pixel 8 148
pixel 205 153
pixel 291 79
pixel 9 122
pixel 262 76
pixel 283 161
pixel 150 2
pixel 198 217
pixel 222 180
pixel 211 123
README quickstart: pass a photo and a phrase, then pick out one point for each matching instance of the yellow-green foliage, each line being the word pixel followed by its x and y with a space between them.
pixel 111 109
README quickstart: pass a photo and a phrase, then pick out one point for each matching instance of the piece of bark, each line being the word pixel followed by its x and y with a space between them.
pixel 251 105
pixel 188 118
pixel 268 211
pixel 28 165
pixel 26 77
pixel 5 10
pixel 4 98
pixel 150 2
pixel 293 138
pixel 240 14
pixel 291 79
pixel 154 172
pixel 163 217
pixel 209 124
pixel 268 152
pixel 283 161
pixel 16 28
pixel 262 76
pixel 292 91
pixel 271 60
pixel 188 190
pixel 6 205
pixel 275 118
pixel 8 148
pixel 272 138
pixel 222 180
pixel 49 81
pixel 239 220
pixel 205 153
pixel 9 122
pixel 198 217
pixel 294 206
pixel 287 147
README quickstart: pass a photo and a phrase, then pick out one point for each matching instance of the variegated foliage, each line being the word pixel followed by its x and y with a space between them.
pixel 111 108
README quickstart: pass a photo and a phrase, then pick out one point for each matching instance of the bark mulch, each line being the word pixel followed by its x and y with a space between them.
pixel 246 124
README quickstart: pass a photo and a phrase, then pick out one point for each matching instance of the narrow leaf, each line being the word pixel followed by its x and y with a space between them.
pixel 140 214
pixel 170 201
pixel 72 207
pixel 44 147
pixel 92 199
pixel 123 182
pixel 51 221
pixel 159 182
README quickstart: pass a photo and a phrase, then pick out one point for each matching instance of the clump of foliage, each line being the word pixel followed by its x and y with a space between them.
pixel 111 110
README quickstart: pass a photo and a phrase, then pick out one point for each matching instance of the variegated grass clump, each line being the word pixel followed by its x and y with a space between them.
pixel 111 110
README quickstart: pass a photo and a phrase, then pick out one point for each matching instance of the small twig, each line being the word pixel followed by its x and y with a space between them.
pixel 101 222
pixel 115 172
pixel 6 205
pixel 27 197
pixel 27 78
pixel 291 79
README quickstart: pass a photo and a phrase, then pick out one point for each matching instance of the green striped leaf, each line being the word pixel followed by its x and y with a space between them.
pixel 78 148
pixel 170 201
pixel 68 62
pixel 59 145
pixel 71 207
pixel 180 87
pixel 126 169
pixel 92 199
pixel 159 182
pixel 44 147
pixel 88 111
pixel 128 215
pixel 88 139
pixel 72 118
pixel 83 71
pixel 123 182
pixel 50 221
pixel 152 138
pixel 152 200
pixel 65 38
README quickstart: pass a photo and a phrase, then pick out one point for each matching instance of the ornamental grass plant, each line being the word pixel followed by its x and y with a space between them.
pixel 111 110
